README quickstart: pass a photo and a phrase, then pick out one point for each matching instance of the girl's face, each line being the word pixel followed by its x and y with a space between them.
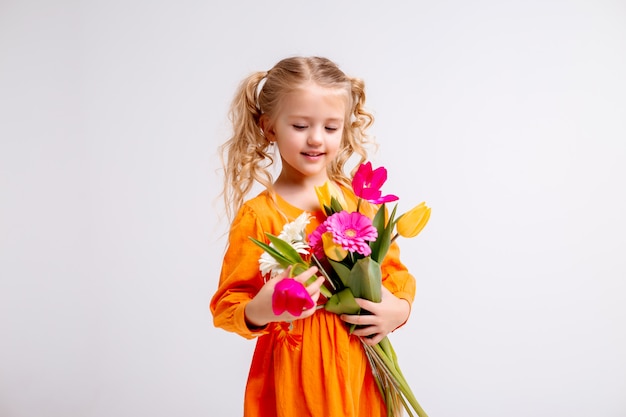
pixel 307 130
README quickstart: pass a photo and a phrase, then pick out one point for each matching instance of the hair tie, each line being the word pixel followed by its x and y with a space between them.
pixel 257 92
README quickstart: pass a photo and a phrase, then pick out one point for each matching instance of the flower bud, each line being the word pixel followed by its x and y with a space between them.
pixel 291 296
pixel 413 221
pixel 326 193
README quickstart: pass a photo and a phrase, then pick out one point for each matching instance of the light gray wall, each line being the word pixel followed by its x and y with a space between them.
pixel 508 118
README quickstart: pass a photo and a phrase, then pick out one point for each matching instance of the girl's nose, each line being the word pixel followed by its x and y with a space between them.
pixel 315 137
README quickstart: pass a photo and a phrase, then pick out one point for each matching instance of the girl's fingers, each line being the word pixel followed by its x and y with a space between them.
pixel 274 280
pixel 360 319
pixel 303 277
pixel 314 287
pixel 367 304
pixel 373 339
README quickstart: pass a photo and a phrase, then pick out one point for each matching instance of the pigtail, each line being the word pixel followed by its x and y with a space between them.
pixel 355 137
pixel 361 119
pixel 244 156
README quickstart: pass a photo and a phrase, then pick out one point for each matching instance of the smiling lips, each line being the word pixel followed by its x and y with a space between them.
pixel 312 154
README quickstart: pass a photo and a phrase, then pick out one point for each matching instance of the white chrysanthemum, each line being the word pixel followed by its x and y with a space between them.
pixel 269 265
pixel 292 233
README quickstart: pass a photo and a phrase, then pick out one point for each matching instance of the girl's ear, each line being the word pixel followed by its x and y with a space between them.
pixel 267 128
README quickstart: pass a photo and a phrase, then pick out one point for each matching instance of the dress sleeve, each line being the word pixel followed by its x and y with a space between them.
pixel 240 279
pixel 396 277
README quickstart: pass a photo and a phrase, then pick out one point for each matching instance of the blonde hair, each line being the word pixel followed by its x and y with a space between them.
pixel 246 157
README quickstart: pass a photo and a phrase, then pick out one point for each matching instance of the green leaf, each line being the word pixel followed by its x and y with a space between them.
pixel 335 206
pixel 342 302
pixel 384 236
pixel 282 260
pixel 366 280
pixel 379 223
pixel 285 249
pixel 342 271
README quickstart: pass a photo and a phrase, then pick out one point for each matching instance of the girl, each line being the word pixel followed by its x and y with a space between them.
pixel 308 365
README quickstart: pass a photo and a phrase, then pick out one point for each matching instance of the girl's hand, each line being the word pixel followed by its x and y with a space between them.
pixel 385 317
pixel 259 312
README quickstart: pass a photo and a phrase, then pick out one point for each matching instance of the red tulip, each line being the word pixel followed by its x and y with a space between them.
pixel 367 183
pixel 291 296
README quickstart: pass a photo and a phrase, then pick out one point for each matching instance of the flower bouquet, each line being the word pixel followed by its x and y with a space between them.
pixel 348 248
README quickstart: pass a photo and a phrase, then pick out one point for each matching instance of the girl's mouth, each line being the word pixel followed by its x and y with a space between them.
pixel 312 154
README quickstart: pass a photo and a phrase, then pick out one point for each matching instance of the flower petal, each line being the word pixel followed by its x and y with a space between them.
pixel 366 184
pixel 352 231
pixel 361 178
pixel 323 195
pixel 291 296
pixel 315 240
pixel 411 223
pixel 378 177
pixel 385 199
pixel 333 250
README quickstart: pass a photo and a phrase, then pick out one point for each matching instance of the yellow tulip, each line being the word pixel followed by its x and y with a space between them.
pixel 413 221
pixel 331 249
pixel 326 192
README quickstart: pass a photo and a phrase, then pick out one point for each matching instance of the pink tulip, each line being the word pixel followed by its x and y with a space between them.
pixel 367 183
pixel 291 296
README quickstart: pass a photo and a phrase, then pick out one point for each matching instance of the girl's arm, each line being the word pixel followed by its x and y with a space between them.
pixel 243 302
pixel 240 279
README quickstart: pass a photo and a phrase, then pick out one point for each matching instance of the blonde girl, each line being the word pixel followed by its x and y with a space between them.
pixel 309 365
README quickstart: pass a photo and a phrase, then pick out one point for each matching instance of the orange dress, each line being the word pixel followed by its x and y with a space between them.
pixel 313 367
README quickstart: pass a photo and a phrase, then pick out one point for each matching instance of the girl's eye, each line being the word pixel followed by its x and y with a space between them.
pixel 331 129
pixel 299 127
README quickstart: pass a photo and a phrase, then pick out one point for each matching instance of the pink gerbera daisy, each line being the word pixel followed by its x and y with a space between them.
pixel 352 231
pixel 315 240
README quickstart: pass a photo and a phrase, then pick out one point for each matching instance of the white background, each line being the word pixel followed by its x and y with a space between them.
pixel 507 117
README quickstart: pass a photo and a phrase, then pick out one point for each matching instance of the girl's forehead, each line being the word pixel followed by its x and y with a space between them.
pixel 313 96
pixel 311 87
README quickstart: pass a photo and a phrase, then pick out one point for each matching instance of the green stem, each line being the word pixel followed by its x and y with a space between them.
pixel 391 365
pixel 322 271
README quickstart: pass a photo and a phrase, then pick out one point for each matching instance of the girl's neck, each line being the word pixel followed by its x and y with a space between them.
pixel 300 194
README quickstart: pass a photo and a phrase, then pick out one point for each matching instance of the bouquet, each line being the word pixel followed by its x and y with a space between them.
pixel 348 248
